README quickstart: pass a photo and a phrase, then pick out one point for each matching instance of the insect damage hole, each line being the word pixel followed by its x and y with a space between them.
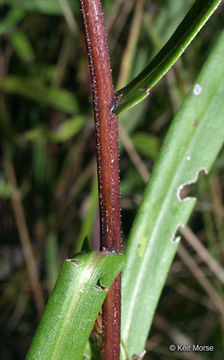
pixel 100 286
pixel 186 191
pixel 176 235
pixel 139 356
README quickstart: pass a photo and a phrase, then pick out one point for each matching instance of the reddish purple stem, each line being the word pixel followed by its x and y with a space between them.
pixel 106 126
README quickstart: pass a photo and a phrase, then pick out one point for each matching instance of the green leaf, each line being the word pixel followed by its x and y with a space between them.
pixel 35 90
pixel 88 222
pixel 22 45
pixel 140 86
pixel 51 7
pixel 5 188
pixel 52 256
pixel 10 20
pixel 191 145
pixel 146 144
pixel 74 305
pixel 67 129
pixel 169 17
pixel 41 162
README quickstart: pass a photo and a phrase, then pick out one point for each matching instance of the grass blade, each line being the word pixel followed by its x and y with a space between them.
pixel 191 145
pixel 140 86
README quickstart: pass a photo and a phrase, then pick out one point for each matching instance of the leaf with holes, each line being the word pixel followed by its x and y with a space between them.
pixel 191 145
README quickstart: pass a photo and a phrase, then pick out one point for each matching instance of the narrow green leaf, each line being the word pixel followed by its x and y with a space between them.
pixel 140 86
pixel 191 145
pixel 51 7
pixel 171 13
pixel 10 20
pixel 74 305
pixel 5 188
pixel 41 164
pixel 33 89
pixel 88 222
pixel 22 45
pixel 146 144
pixel 52 256
pixel 67 129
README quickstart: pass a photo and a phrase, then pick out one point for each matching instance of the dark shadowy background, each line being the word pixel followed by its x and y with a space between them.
pixel 47 162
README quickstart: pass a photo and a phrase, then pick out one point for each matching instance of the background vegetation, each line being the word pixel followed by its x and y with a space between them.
pixel 48 146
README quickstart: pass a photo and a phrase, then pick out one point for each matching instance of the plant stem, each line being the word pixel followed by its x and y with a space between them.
pixel 106 127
